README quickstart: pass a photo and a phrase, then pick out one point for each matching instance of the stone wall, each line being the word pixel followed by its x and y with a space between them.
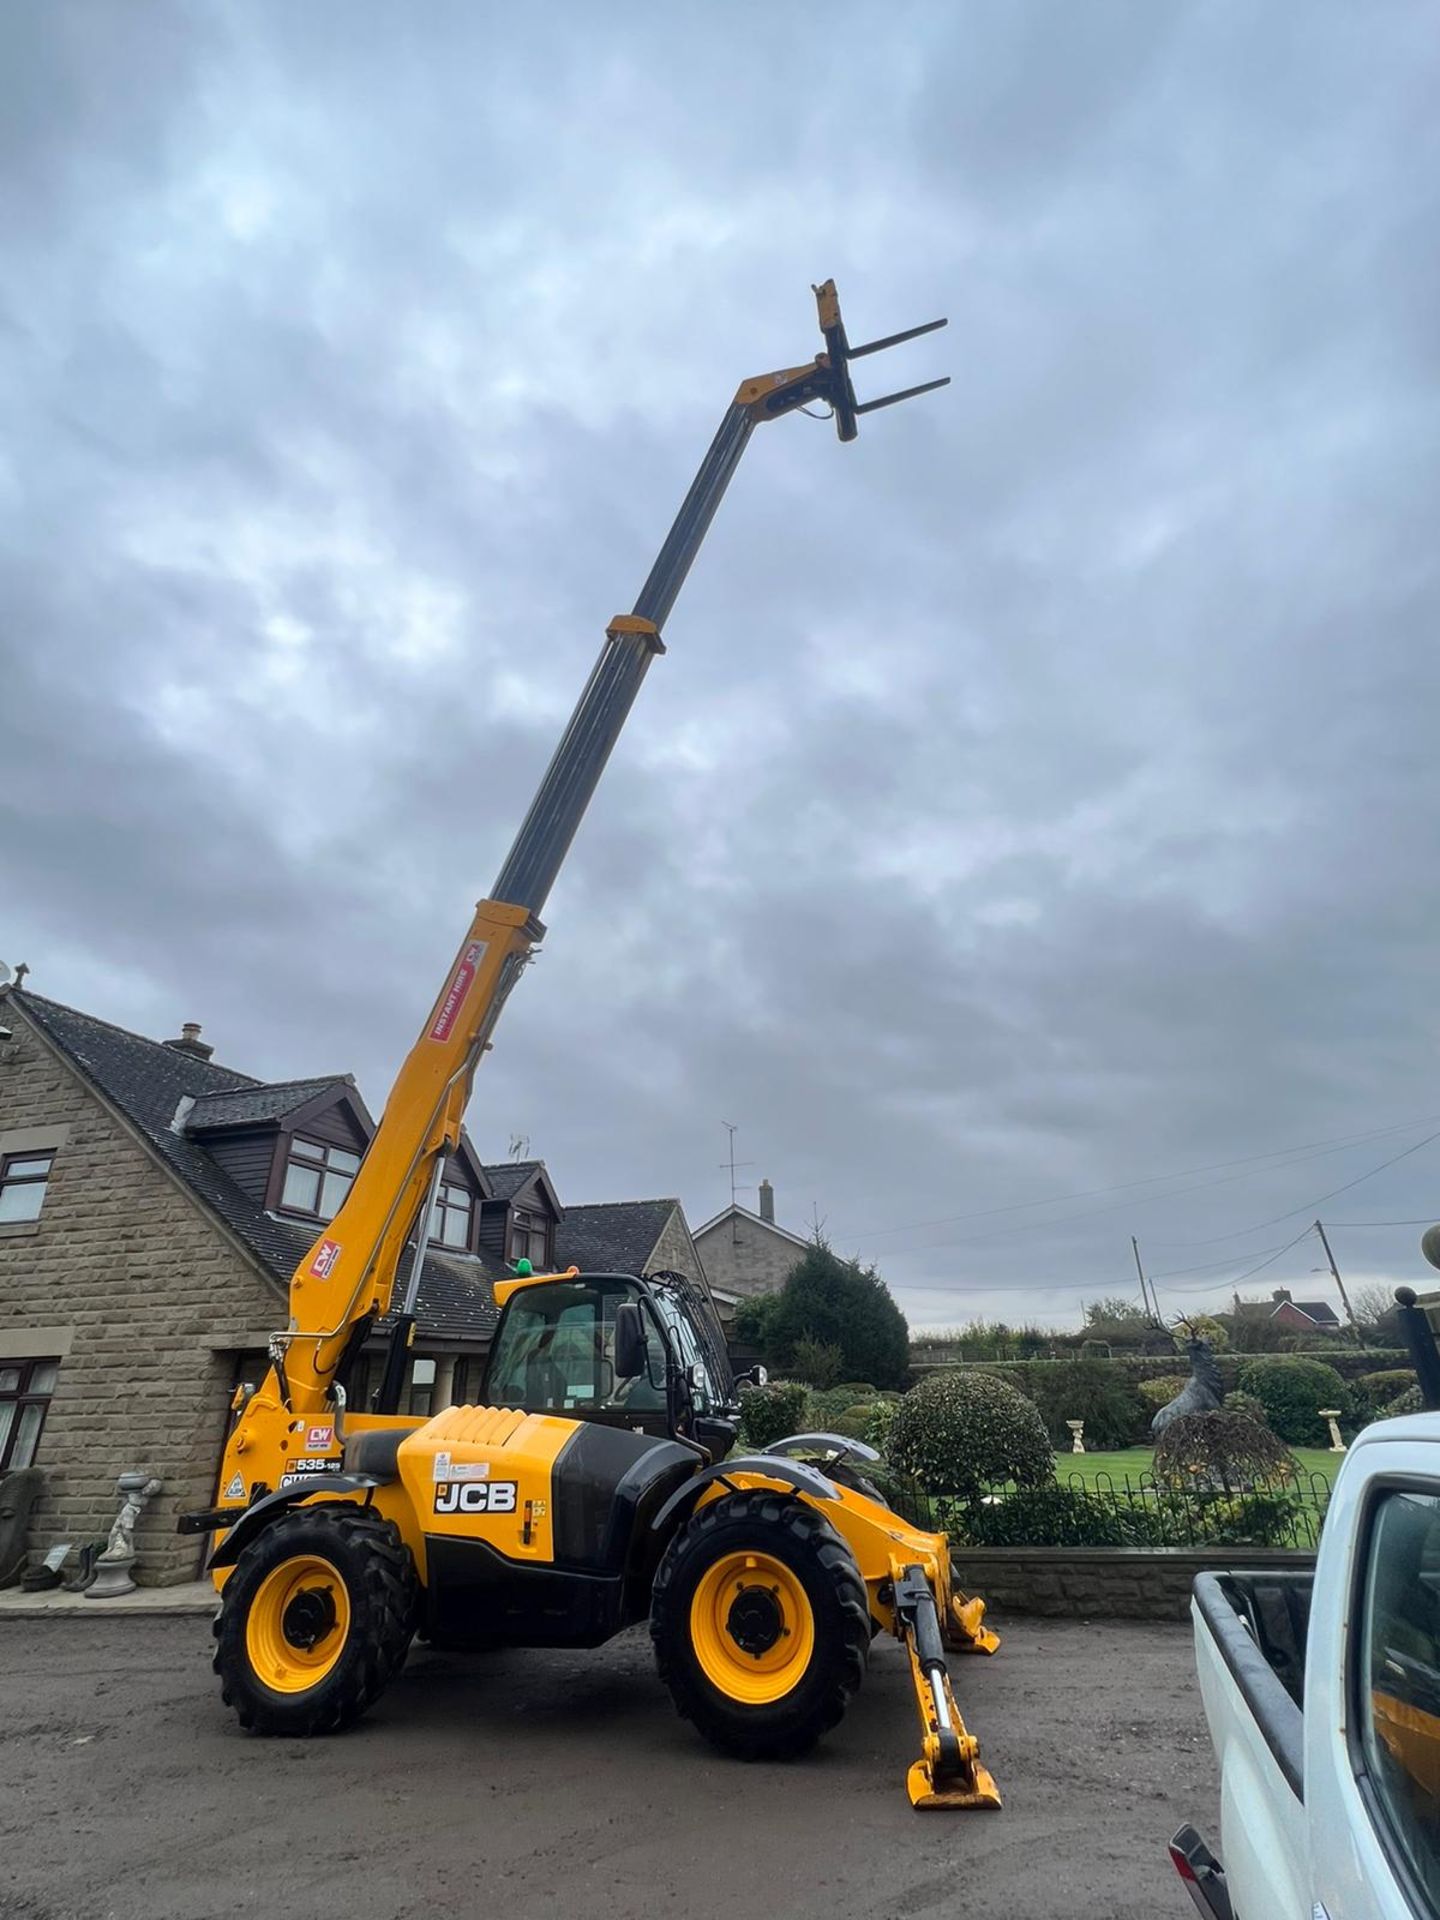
pixel 141 1296
pixel 745 1256
pixel 1104 1583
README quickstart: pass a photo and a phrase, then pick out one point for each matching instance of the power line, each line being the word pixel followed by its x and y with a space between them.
pixel 1314 1149
pixel 1257 1226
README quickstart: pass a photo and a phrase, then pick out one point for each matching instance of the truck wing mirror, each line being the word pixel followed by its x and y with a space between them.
pixel 629 1341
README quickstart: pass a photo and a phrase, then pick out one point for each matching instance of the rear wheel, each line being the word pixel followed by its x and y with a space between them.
pixel 315 1620
pixel 760 1624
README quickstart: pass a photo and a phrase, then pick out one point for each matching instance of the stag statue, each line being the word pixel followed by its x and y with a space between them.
pixel 1203 1392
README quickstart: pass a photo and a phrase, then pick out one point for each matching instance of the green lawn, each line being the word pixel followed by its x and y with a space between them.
pixel 1136 1460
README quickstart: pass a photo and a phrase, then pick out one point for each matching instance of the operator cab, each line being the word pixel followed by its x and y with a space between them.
pixel 617 1350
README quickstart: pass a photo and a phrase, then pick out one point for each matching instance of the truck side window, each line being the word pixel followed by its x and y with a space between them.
pixel 1400 1679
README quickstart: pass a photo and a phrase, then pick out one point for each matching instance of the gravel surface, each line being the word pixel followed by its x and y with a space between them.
pixel 557 1784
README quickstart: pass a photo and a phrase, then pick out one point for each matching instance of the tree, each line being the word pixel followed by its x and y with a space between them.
pixel 839 1303
pixel 1117 1321
pixel 1116 1311
pixel 1376 1315
pixel 752 1320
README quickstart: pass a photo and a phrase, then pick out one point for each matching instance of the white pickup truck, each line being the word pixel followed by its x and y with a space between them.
pixel 1323 1696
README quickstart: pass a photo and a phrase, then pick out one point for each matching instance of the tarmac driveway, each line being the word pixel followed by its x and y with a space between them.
pixel 527 1784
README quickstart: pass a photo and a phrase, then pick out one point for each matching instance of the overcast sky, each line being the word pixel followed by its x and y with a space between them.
pixel 1037 797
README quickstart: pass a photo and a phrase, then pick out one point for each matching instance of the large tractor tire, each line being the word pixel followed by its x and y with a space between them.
pixel 760 1624
pixel 315 1620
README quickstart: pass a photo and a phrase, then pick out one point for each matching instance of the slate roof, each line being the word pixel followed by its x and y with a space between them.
pixel 1319 1311
pixel 147 1080
pixel 256 1105
pixel 506 1177
pixel 614 1236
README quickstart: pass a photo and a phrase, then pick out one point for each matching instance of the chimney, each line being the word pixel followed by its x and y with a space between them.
pixel 190 1041
pixel 767 1202
pixel 1280 1296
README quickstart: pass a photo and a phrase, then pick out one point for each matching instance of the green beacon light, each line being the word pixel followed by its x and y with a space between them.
pixel 523 1269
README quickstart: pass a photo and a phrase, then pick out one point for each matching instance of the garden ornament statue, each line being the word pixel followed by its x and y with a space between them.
pixel 112 1569
pixel 1203 1392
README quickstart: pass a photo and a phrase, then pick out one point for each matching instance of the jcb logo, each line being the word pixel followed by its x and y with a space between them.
pixel 476 1496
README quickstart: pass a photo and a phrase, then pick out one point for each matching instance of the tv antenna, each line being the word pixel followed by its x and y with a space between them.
pixel 519 1146
pixel 731 1163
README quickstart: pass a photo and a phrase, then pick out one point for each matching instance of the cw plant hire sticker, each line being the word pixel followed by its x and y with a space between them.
pixel 326 1254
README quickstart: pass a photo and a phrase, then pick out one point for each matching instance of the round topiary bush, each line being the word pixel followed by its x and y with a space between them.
pixel 959 1433
pixel 772 1412
pixel 1379 1389
pixel 1292 1392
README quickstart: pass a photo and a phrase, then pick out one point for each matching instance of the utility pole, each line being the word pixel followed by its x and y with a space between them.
pixel 1149 1300
pixel 1340 1284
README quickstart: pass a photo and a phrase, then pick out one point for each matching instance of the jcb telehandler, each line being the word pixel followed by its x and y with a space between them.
pixel 595 1486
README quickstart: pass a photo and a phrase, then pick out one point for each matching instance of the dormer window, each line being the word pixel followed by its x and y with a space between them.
pixel 529 1238
pixel 317 1178
pixel 452 1219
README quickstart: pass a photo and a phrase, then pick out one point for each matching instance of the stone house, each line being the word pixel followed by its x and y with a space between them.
pixel 746 1253
pixel 152 1207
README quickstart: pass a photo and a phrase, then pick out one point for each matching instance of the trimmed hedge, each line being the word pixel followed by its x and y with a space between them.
pixel 1088 1390
pixel 1348 1361
pixel 960 1432
pixel 771 1412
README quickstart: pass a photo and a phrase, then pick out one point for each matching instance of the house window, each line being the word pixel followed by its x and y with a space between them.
pixel 529 1238
pixel 25 1390
pixel 422 1387
pixel 450 1221
pixel 23 1180
pixel 317 1178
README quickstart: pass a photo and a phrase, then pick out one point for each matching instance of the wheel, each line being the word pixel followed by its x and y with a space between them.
pixel 315 1620
pixel 760 1624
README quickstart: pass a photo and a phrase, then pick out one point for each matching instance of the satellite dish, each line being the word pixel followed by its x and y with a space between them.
pixel 7 974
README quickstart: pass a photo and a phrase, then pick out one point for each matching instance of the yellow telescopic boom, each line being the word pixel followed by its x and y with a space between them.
pixel 346 1279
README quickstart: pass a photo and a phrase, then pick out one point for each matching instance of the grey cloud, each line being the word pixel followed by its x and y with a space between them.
pixel 1036 796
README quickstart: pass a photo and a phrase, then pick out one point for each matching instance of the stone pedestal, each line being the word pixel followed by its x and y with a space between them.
pixel 1332 1415
pixel 1077 1432
pixel 112 1569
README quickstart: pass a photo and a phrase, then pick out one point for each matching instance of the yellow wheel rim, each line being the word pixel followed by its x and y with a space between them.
pixel 298 1624
pixel 752 1628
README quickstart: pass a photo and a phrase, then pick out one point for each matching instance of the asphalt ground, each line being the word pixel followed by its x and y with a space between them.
pixel 528 1784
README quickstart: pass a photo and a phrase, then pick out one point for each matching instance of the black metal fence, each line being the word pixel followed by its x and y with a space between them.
pixel 1105 1511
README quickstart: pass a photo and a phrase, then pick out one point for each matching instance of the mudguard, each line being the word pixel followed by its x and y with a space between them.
pixel 254 1520
pixel 793 1473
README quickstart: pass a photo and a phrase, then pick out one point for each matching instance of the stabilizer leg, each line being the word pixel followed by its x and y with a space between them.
pixel 948 1772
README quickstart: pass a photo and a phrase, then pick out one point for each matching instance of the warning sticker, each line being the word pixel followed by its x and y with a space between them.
pixel 318 1437
pixel 326 1254
pixel 234 1487
pixel 447 1469
pixel 458 990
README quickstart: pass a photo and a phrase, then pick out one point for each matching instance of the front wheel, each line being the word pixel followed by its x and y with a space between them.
pixel 760 1624
pixel 315 1620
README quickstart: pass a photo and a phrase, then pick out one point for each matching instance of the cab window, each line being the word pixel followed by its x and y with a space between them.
pixel 705 1391
pixel 556 1353
pixel 1399 1707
